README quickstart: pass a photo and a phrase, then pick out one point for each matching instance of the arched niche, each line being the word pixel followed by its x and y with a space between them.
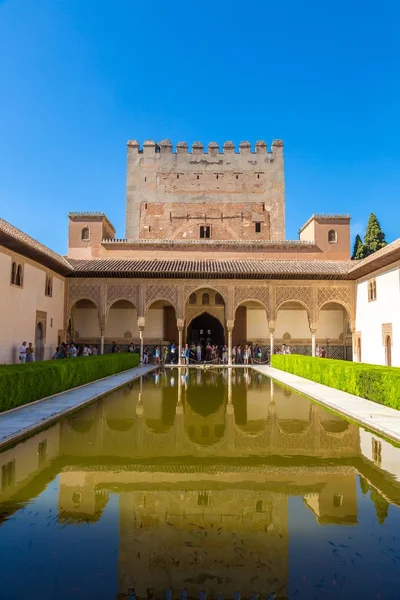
pixel 332 331
pixel 85 321
pixel 161 322
pixel 250 323
pixel 293 324
pixel 121 325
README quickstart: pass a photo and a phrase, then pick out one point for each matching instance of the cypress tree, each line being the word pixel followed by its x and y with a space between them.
pixel 374 238
pixel 358 249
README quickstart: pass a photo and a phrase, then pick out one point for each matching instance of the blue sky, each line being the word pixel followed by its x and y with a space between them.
pixel 80 78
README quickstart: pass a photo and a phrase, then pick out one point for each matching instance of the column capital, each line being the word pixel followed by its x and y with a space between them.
pixel 180 323
pixel 141 322
pixel 271 326
pixel 313 328
pixel 230 323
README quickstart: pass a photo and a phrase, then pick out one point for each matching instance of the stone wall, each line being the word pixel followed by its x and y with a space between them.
pixel 229 182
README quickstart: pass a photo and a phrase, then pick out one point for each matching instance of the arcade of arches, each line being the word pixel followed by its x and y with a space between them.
pixel 300 314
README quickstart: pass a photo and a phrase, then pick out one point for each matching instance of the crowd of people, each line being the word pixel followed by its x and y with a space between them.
pixel 191 353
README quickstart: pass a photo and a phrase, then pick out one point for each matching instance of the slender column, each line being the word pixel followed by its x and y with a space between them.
pixel 229 326
pixel 313 345
pixel 271 343
pixel 230 386
pixel 141 343
pixel 179 346
pixel 102 341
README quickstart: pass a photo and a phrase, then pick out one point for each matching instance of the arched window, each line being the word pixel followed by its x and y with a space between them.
pixel 218 299
pixel 49 286
pixel 332 236
pixel 18 277
pixel 205 298
pixel 371 290
pixel 13 272
pixel 85 234
pixel 193 298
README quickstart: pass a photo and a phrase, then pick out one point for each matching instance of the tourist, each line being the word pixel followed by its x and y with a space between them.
pixel 85 351
pixel 95 351
pixel 22 352
pixel 29 353
pixel 225 354
pixel 72 351
pixel 157 355
pixel 258 353
pixel 233 355
pixel 246 355
pixel 187 354
pixel 172 353
pixel 198 351
pixel 146 356
pixel 131 347
pixel 55 355
pixel 322 353
pixel 114 347
pixel 288 350
pixel 165 354
pixel 317 351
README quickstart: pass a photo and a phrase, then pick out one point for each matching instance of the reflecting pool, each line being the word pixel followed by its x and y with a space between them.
pixel 200 480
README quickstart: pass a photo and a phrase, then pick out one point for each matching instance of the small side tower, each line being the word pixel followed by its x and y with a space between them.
pixel 331 233
pixel 86 231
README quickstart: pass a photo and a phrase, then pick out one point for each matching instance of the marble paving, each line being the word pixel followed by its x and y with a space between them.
pixel 18 422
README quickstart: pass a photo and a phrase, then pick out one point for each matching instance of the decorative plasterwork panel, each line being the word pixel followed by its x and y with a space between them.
pixel 341 294
pixel 302 294
pixel 251 292
pixel 161 292
pixel 83 291
pixel 221 289
pixel 387 330
pixel 125 291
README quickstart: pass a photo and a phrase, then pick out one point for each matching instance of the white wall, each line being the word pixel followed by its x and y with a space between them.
pixel 257 324
pixel 371 315
pixel 18 306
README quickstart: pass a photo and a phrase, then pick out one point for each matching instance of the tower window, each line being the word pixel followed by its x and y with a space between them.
pixel 205 231
pixel 192 298
pixel 258 175
pixel 85 234
pixel 205 298
pixel 332 236
pixel 237 176
pixel 198 176
pixel 177 175
pixel 145 205
pixel 202 499
pixel 257 227
pixel 145 179
pixel 218 299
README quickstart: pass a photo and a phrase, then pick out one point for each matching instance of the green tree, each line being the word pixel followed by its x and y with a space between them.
pixel 374 238
pixel 358 249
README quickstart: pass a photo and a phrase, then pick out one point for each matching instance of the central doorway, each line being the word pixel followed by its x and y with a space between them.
pixel 205 329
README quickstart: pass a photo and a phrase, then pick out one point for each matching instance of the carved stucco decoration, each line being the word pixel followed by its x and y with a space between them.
pixel 343 295
pixel 156 292
pixel 117 292
pixel 251 292
pixel 221 289
pixel 83 291
pixel 301 294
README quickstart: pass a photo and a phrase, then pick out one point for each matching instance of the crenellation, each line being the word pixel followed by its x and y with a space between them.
pixel 229 148
pixel 182 148
pixel 197 148
pixel 244 147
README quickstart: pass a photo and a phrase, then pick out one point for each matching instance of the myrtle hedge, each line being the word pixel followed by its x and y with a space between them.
pixel 380 384
pixel 24 383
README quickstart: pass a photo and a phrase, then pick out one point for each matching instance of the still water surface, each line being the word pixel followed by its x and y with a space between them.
pixel 204 481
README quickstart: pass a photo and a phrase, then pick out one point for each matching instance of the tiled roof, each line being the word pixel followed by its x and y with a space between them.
pixel 16 240
pixel 253 269
pixel 387 255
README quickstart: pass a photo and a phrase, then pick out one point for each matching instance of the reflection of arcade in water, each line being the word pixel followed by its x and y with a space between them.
pixel 204 464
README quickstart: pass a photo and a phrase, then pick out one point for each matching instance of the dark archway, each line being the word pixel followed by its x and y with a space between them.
pixel 205 328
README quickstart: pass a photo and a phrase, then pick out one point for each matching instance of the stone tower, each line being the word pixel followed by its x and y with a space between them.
pixel 212 194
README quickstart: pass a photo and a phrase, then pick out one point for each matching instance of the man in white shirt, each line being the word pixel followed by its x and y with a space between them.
pixel 22 352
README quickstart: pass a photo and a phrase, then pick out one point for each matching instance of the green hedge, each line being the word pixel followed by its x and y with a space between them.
pixel 24 383
pixel 380 384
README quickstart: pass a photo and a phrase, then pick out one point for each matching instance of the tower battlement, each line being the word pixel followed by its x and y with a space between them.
pixel 151 147
pixel 211 192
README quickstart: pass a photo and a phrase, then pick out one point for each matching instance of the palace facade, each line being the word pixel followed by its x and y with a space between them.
pixel 205 251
